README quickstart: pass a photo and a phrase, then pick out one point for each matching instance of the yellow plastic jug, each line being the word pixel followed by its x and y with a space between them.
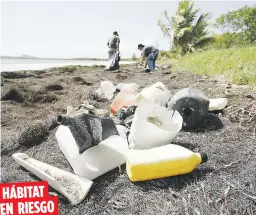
pixel 160 162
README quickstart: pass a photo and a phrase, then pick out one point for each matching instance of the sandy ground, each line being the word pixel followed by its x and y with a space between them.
pixel 226 184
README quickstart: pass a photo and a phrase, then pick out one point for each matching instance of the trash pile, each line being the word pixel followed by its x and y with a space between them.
pixel 138 131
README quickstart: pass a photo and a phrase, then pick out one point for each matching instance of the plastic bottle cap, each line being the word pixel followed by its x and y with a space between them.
pixel 204 157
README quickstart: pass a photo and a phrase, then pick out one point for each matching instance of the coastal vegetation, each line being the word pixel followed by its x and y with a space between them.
pixel 230 54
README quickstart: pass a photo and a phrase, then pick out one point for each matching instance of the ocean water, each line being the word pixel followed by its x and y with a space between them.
pixel 15 64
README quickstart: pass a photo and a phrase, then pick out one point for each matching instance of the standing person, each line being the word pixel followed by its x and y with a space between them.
pixel 150 53
pixel 113 44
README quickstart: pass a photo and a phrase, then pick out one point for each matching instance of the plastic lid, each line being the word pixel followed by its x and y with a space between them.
pixel 204 157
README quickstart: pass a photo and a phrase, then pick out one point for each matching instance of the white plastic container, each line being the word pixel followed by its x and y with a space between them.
pixel 70 185
pixel 132 86
pixel 153 125
pixel 96 160
pixel 107 88
pixel 156 93
pixel 218 104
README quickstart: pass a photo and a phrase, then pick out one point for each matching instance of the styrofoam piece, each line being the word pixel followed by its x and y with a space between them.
pixel 73 187
pixel 153 126
pixel 96 160
pixel 218 104
pixel 156 93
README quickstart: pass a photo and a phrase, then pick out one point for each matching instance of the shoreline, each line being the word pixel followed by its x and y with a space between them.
pixel 124 64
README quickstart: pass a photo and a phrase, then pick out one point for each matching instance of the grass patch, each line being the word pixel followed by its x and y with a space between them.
pixel 237 65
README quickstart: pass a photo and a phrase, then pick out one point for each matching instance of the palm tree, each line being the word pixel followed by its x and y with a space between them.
pixel 185 31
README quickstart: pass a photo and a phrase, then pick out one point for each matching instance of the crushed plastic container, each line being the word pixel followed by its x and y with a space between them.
pixel 124 98
pixel 193 106
pixel 107 88
pixel 160 162
pixel 156 93
pixel 153 125
pixel 88 130
pixel 217 104
pixel 95 161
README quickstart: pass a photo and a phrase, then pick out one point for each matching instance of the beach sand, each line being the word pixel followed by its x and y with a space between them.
pixel 226 184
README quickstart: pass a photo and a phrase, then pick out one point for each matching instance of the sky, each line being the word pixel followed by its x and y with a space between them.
pixel 76 29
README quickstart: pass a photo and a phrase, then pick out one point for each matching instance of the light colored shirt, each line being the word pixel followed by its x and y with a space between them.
pixel 147 50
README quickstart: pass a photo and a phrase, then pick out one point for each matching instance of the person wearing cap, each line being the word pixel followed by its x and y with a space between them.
pixel 113 44
pixel 150 53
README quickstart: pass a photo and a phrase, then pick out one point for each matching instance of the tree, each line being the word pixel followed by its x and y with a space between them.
pixel 185 31
pixel 242 21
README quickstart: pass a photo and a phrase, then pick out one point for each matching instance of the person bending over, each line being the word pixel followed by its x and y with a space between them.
pixel 150 53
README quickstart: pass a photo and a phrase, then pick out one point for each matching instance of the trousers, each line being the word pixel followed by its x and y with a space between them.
pixel 151 59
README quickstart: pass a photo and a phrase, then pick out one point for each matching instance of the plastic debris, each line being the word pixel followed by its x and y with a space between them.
pixel 126 115
pixel 123 131
pixel 132 86
pixel 217 104
pixel 88 130
pixel 73 187
pixel 156 93
pixel 193 106
pixel 124 98
pixel 107 88
pixel 113 62
pixel 153 125
pixel 96 160
pixel 160 162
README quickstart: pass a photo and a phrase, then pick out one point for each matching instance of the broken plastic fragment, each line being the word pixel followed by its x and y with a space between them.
pixel 73 187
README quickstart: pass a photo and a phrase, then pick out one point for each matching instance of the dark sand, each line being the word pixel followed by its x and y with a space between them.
pixel 226 184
